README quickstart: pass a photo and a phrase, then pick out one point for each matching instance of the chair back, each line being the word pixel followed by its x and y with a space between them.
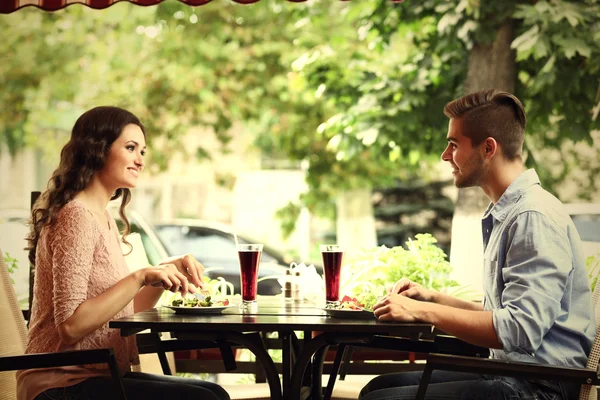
pixel 13 335
pixel 589 392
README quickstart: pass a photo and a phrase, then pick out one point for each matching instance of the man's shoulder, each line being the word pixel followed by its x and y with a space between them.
pixel 538 200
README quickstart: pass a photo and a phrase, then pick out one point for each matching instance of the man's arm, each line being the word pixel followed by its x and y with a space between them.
pixel 408 288
pixel 475 327
pixel 451 301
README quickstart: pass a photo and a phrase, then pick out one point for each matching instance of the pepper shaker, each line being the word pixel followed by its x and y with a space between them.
pixel 287 287
pixel 297 287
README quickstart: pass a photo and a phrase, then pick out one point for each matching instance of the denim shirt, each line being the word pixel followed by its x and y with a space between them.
pixel 535 278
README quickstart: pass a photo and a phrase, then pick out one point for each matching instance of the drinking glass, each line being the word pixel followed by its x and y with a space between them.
pixel 332 265
pixel 249 255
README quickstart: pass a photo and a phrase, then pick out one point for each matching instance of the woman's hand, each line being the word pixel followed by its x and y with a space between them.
pixel 168 277
pixel 408 288
pixel 189 267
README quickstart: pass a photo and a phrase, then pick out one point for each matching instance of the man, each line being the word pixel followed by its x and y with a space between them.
pixel 537 303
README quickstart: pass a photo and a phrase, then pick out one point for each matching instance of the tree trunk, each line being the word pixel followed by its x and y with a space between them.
pixel 490 66
pixel 355 224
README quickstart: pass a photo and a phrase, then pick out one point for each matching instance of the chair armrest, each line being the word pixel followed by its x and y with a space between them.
pixel 515 369
pixel 452 345
pixel 60 359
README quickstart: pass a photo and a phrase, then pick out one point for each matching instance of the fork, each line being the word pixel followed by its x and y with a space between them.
pixel 202 294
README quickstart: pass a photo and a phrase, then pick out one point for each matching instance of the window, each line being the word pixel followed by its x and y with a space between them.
pixel 588 226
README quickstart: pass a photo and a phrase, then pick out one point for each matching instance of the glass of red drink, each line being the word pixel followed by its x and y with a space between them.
pixel 249 256
pixel 332 266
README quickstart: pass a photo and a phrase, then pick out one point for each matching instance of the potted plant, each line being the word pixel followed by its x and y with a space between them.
pixel 370 273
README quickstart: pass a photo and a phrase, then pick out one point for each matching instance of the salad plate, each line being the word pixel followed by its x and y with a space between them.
pixel 348 307
pixel 198 310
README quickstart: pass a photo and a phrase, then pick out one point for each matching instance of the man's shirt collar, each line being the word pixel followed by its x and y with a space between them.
pixel 512 194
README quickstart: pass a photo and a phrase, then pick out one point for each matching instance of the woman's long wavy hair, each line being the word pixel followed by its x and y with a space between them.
pixel 83 155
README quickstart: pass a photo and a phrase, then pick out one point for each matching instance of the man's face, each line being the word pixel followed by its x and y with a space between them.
pixel 467 162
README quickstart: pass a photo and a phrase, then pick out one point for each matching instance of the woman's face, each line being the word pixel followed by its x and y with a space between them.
pixel 125 160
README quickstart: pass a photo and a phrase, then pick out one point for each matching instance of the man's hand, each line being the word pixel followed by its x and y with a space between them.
pixel 397 308
pixel 407 288
pixel 189 267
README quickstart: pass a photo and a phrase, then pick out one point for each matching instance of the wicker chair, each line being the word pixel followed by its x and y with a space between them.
pixel 13 338
pixel 587 377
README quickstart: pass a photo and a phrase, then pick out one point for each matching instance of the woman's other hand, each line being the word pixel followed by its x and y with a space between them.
pixel 191 268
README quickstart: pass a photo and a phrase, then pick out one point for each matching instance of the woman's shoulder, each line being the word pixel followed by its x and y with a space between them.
pixel 74 213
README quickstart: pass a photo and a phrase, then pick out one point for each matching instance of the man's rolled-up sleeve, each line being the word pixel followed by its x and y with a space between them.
pixel 538 264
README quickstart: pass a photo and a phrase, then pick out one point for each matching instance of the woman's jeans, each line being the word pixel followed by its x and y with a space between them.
pixel 446 385
pixel 138 386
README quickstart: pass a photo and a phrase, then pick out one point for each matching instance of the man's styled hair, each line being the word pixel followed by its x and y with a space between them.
pixel 492 113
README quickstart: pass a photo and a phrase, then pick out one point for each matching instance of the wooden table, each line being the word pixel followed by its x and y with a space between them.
pixel 244 329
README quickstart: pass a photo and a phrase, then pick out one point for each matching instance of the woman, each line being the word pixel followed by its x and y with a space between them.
pixel 82 280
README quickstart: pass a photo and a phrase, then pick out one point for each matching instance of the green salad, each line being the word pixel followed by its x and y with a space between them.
pixel 195 302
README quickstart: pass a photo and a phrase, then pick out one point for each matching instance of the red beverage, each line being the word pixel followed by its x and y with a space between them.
pixel 332 265
pixel 249 261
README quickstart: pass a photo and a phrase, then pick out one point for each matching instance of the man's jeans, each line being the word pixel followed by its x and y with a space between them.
pixel 445 385
pixel 139 386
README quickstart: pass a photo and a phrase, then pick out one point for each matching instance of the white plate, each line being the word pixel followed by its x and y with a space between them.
pixel 347 313
pixel 198 310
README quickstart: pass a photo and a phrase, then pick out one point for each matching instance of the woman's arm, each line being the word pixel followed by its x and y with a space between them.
pixel 95 312
pixel 187 265
pixel 146 298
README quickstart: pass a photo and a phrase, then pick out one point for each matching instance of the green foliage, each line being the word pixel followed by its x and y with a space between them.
pixel 593 267
pixel 372 271
pixel 353 89
pixel 388 83
pixel 12 264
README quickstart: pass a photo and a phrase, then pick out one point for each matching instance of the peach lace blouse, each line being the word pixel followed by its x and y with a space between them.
pixel 76 259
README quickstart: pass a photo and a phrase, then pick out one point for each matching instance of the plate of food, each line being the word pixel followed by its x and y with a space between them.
pixel 198 305
pixel 348 307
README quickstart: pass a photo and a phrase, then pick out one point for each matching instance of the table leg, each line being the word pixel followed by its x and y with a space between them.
pixel 287 362
pixel 317 372
pixel 308 374
pixel 160 352
pixel 254 343
pixel 342 348
pixel 302 362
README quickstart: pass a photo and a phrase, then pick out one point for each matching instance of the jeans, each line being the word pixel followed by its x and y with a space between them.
pixel 138 386
pixel 447 385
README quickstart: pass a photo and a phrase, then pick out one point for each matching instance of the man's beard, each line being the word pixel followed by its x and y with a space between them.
pixel 474 170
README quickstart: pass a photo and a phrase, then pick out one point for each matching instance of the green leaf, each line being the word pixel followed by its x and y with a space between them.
pixel 526 40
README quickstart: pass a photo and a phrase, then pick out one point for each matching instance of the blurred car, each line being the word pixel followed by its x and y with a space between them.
pixel 586 217
pixel 214 246
pixel 153 246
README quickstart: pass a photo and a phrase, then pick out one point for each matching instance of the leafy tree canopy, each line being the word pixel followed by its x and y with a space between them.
pixel 352 89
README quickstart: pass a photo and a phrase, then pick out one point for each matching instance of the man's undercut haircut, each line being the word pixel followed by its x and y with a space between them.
pixel 492 113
